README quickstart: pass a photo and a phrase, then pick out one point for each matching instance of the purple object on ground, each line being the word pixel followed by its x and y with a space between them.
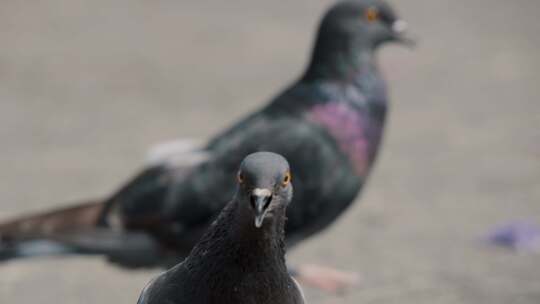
pixel 521 236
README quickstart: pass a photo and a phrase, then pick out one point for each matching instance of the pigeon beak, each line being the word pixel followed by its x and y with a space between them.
pixel 399 28
pixel 260 200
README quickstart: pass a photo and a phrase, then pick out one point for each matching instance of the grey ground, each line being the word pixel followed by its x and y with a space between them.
pixel 87 86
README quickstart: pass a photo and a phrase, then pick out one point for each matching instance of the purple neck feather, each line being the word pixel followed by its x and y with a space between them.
pixel 347 126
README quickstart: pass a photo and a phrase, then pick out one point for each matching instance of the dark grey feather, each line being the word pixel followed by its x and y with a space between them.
pixel 237 262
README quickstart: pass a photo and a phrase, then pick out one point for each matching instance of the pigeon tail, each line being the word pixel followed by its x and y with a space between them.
pixel 126 249
pixel 33 248
pixel 77 230
pixel 35 235
pixel 49 223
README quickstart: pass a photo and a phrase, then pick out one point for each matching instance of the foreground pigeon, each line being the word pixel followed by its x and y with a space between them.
pixel 241 258
pixel 328 124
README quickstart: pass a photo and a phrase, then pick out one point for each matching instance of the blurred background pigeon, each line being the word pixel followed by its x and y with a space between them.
pixel 328 124
pixel 241 258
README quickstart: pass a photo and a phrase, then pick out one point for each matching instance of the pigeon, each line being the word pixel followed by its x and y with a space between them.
pixel 241 258
pixel 328 124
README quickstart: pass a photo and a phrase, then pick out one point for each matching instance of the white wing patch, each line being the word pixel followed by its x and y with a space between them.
pixel 143 298
pixel 177 153
pixel 299 289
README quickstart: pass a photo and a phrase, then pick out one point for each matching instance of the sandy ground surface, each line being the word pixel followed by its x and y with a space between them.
pixel 87 86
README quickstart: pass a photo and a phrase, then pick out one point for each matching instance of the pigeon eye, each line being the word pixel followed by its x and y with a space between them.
pixel 372 14
pixel 240 178
pixel 286 179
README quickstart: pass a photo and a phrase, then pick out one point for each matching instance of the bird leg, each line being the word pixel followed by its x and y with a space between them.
pixel 325 278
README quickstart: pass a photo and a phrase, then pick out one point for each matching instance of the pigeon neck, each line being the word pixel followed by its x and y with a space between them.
pixel 340 58
pixel 235 262
pixel 264 243
pixel 233 238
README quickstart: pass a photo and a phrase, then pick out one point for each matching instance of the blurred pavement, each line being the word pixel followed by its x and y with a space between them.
pixel 87 86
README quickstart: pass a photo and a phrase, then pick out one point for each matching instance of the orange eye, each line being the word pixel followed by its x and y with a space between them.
pixel 286 179
pixel 372 14
pixel 240 177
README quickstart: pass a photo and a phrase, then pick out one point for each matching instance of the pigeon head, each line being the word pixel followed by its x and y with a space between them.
pixel 264 185
pixel 368 23
pixel 349 33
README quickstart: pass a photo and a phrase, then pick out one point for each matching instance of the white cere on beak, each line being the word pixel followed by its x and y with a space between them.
pixel 262 192
pixel 399 26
